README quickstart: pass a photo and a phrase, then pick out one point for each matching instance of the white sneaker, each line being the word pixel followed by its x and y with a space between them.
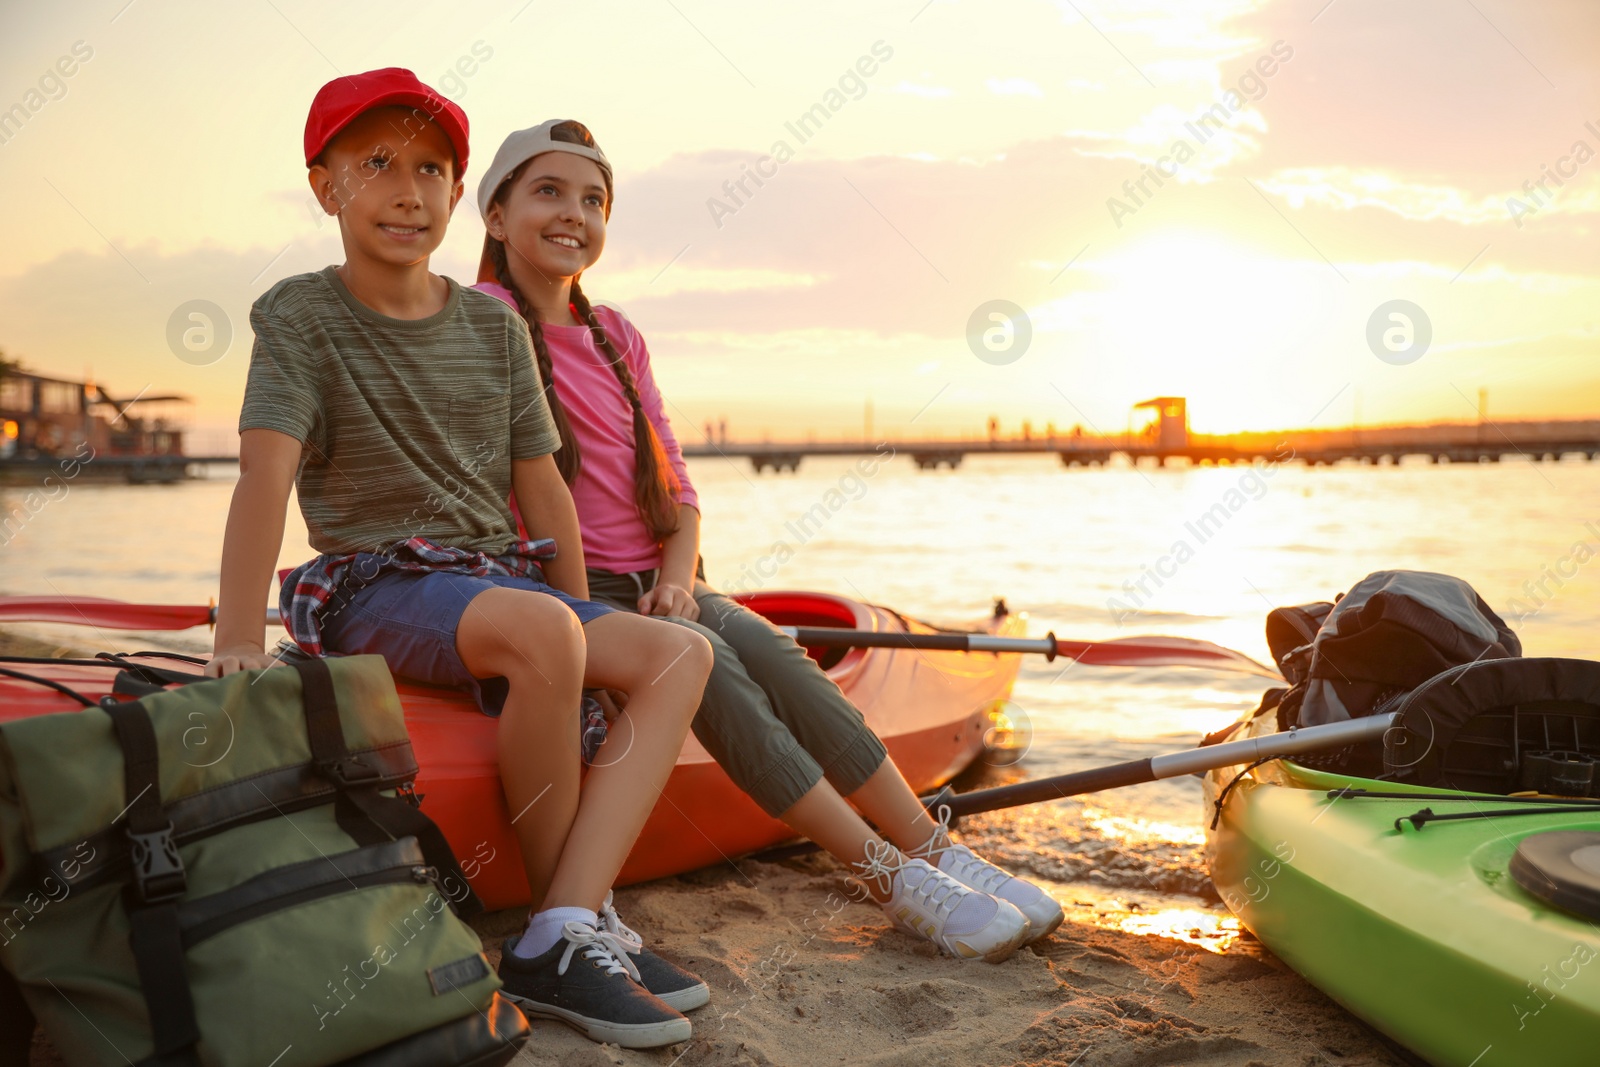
pixel 925 901
pixel 973 871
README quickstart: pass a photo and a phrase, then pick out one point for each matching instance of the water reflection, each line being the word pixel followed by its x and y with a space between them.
pixel 1149 914
pixel 1135 830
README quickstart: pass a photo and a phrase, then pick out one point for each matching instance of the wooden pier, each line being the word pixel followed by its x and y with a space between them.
pixel 134 470
pixel 1166 439
pixel 1371 450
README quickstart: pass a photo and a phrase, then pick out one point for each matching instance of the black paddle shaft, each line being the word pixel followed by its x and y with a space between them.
pixel 1166 765
pixel 947 641
pixel 1134 772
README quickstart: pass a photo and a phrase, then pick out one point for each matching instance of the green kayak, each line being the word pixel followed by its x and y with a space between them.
pixel 1426 933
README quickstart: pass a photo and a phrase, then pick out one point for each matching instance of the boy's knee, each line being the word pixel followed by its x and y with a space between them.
pixel 527 632
pixel 538 616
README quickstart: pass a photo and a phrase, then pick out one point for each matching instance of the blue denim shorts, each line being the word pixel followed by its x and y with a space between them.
pixel 410 619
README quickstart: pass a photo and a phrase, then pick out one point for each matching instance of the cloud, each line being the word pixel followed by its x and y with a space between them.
pixel 1228 140
pixel 927 92
pixel 1013 87
pixel 91 312
pixel 1344 189
pixel 1477 114
pixel 853 266
pixel 675 278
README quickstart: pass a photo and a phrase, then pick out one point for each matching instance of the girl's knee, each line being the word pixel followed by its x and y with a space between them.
pixel 671 655
pixel 688 651
pixel 705 656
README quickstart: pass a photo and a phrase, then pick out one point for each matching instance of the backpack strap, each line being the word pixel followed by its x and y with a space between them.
pixel 159 880
pixel 142 680
pixel 16 1021
pixel 361 810
pixel 133 679
pixel 1290 632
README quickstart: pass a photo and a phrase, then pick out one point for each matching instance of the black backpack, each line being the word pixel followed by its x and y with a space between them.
pixel 1393 631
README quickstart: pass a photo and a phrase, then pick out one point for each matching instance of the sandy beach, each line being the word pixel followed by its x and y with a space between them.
pixel 802 975
pixel 846 989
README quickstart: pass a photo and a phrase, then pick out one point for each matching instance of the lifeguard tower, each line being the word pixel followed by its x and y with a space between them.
pixel 1169 432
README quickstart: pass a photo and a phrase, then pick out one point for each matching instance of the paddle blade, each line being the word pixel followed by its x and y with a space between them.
pixel 1161 652
pixel 98 611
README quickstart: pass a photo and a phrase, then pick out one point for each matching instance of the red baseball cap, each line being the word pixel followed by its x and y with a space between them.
pixel 339 102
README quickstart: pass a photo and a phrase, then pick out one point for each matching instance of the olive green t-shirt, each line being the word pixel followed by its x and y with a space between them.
pixel 409 426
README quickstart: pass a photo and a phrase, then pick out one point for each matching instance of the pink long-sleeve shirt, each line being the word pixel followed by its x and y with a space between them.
pixel 615 537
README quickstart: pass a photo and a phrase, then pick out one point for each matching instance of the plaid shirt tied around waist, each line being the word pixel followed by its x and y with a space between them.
pixel 310 588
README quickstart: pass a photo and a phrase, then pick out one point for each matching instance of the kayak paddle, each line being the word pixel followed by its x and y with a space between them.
pixel 1120 652
pixel 99 611
pixel 1167 765
pixel 1137 772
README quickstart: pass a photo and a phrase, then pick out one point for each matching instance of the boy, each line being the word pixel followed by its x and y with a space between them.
pixel 405 409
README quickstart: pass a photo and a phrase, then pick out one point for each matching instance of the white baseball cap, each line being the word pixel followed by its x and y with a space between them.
pixel 557 135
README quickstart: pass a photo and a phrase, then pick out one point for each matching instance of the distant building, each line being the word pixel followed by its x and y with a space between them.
pixel 41 417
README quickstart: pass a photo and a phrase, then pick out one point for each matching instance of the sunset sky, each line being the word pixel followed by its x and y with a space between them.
pixel 1357 152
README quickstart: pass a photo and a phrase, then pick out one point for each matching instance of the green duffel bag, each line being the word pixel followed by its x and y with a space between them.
pixel 276 903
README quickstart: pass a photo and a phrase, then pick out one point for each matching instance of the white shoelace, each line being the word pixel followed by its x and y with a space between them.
pixel 880 864
pixel 941 832
pixel 937 891
pixel 970 868
pixel 611 923
pixel 603 948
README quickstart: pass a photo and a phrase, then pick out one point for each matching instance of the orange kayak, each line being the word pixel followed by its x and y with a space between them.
pixel 932 710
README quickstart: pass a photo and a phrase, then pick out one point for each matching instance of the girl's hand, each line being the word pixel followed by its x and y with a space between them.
pixel 240 658
pixel 669 599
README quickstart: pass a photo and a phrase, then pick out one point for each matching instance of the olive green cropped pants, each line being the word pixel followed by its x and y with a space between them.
pixel 770 716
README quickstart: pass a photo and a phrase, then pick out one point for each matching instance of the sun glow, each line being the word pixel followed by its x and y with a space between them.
pixel 1191 313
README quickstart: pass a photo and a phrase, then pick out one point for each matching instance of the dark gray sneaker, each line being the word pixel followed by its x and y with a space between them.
pixel 676 987
pixel 587 981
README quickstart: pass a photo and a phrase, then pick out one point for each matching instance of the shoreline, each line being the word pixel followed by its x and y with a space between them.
pixel 800 975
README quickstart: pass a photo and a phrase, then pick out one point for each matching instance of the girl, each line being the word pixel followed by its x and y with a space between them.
pixel 770 716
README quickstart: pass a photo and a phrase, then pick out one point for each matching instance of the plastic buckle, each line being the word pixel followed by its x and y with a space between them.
pixel 348 771
pixel 1296 663
pixel 158 872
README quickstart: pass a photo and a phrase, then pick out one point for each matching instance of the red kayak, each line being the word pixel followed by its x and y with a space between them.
pixel 932 710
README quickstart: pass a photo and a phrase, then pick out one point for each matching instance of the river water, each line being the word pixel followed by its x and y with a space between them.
pixel 1093 553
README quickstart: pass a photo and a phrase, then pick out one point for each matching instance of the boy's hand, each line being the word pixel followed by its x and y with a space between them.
pixel 240 658
pixel 250 546
pixel 613 702
pixel 668 599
